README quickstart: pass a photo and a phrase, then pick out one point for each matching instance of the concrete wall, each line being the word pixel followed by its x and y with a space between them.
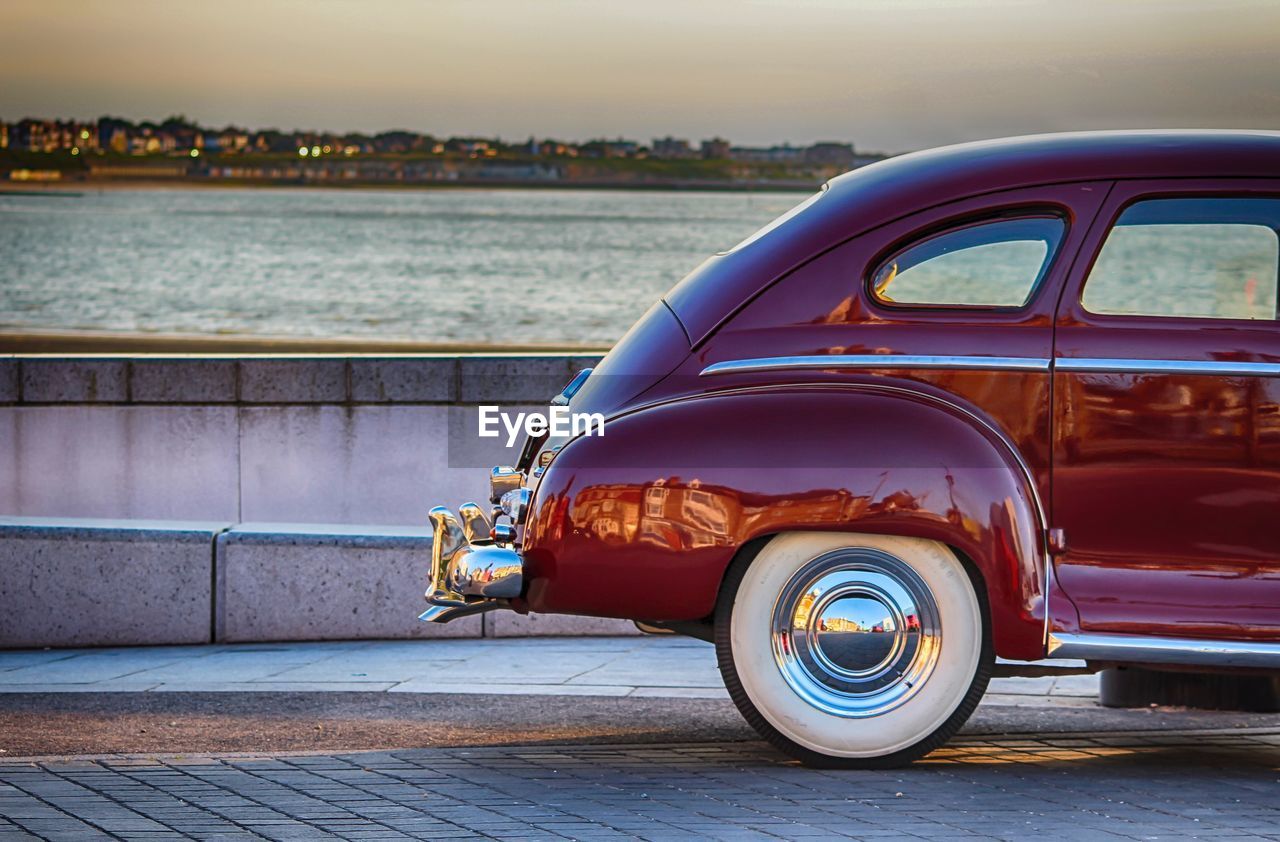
pixel 339 448
pixel 371 440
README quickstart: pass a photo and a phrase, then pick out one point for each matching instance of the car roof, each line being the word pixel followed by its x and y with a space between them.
pixel 873 195
pixel 1009 163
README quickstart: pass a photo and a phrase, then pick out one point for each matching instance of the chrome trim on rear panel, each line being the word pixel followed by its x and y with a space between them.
pixel 865 361
pixel 1139 649
pixel 1130 366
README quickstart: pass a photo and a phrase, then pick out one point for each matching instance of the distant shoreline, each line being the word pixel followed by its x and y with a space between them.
pixel 101 185
pixel 17 340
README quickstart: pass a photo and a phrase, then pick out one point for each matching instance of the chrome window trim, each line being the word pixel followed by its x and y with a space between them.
pixel 1164 650
pixel 1078 365
pixel 1137 366
pixel 860 361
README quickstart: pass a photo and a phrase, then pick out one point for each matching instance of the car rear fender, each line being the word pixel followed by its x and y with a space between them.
pixel 643 521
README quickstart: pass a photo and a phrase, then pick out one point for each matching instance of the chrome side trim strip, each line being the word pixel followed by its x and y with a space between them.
pixel 864 361
pixel 1119 366
pixel 1140 649
pixel 1098 365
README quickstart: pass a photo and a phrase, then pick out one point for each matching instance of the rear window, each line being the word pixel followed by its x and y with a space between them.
pixel 997 263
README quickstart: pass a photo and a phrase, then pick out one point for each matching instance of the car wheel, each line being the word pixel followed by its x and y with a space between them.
pixel 845 650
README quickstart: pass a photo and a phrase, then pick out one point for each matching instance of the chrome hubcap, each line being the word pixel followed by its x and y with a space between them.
pixel 856 632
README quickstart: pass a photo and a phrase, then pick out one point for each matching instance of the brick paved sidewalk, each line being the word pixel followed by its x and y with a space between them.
pixel 1140 786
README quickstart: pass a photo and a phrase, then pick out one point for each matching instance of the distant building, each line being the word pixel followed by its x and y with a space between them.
pixel 86 137
pixel 232 139
pixel 670 147
pixel 555 149
pixel 829 154
pixel 33 135
pixel 472 147
pixel 610 149
pixel 715 149
pixel 398 141
pixel 784 154
pixel 115 138
pixel 271 140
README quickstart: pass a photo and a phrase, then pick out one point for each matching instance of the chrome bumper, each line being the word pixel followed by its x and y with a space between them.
pixel 475 566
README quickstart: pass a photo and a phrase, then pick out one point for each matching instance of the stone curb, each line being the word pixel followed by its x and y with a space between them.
pixel 77 582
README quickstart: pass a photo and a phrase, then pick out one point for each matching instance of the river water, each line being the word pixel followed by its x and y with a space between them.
pixel 483 266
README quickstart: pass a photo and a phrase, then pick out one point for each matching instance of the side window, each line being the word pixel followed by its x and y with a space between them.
pixel 1213 258
pixel 997 263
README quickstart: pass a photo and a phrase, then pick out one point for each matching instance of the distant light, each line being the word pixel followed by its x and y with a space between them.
pixel 84 134
pixel 327 149
pixel 315 152
pixel 195 153
pixel 75 150
pixel 303 151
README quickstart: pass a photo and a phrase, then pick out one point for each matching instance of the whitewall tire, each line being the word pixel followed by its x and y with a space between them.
pixel 853 650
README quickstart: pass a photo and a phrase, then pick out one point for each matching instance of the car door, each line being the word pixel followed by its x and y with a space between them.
pixel 1166 395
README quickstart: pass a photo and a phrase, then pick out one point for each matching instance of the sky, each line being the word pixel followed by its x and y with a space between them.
pixel 886 75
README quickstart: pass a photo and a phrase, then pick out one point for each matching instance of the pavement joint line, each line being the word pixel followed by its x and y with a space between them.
pixel 65 657
pixel 588 670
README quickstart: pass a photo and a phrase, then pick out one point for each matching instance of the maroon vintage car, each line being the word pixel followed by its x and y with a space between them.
pixel 1017 398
